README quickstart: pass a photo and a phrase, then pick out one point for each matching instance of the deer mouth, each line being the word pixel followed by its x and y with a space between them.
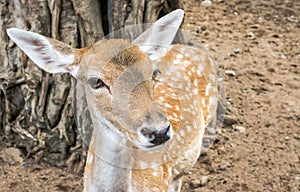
pixel 153 147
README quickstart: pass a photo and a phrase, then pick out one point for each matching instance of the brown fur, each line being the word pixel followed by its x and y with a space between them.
pixel 178 155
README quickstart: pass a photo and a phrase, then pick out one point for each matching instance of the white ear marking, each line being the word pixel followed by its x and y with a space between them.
pixel 156 40
pixel 51 55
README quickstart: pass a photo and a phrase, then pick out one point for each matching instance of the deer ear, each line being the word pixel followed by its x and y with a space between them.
pixel 51 55
pixel 156 40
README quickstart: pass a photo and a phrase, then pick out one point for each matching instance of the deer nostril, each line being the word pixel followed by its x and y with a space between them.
pixel 161 136
pixel 167 130
pixel 149 134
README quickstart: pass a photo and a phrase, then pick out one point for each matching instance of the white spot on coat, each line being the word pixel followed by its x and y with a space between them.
pixel 179 56
pixel 176 61
pixel 208 87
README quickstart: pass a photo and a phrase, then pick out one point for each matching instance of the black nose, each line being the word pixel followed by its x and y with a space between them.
pixel 157 137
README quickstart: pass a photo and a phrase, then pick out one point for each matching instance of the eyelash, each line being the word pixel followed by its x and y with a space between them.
pixel 96 84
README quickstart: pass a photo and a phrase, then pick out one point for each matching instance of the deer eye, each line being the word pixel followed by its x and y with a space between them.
pixel 156 72
pixel 96 83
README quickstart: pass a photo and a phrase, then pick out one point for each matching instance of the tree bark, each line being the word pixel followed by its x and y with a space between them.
pixel 38 111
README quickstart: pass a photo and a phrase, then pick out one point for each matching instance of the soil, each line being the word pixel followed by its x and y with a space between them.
pixel 257 46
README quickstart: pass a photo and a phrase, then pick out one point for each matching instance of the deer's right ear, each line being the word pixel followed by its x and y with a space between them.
pixel 51 55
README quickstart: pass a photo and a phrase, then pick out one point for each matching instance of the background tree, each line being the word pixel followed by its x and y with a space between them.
pixel 36 108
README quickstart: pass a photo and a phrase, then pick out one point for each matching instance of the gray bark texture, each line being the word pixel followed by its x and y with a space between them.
pixel 38 111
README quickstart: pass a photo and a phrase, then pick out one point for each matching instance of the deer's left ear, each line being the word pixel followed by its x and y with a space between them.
pixel 156 40
pixel 51 55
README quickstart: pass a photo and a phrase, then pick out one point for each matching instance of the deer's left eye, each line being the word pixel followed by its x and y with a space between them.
pixel 96 83
pixel 156 72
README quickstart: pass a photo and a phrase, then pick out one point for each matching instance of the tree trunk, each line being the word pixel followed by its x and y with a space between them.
pixel 38 110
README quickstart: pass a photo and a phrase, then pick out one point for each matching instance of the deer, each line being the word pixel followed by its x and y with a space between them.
pixel 150 102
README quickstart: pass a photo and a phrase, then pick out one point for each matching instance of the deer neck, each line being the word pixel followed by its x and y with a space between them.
pixel 108 166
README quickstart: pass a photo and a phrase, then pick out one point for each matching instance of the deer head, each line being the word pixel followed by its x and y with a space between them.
pixel 119 77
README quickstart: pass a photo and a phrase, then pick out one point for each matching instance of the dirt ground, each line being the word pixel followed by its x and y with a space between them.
pixel 257 46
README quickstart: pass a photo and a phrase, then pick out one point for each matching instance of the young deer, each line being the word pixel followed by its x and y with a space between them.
pixel 150 103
